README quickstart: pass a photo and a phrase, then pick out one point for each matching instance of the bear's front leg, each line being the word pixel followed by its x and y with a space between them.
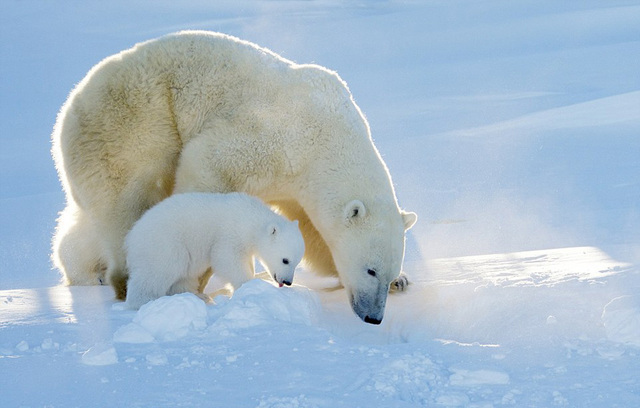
pixel 399 285
pixel 317 255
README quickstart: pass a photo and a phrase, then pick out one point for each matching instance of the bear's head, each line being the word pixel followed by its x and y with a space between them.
pixel 368 254
pixel 282 250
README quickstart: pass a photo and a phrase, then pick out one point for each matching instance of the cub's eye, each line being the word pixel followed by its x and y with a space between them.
pixel 371 272
pixel 285 261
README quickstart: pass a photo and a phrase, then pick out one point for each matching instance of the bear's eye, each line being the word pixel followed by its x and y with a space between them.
pixel 285 261
pixel 371 272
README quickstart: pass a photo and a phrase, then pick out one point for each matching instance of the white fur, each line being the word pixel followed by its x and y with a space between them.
pixel 200 111
pixel 174 244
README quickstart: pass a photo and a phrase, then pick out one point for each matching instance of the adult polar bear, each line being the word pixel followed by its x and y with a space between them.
pixel 202 111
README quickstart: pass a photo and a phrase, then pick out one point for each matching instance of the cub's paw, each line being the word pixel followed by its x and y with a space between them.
pixel 400 284
pixel 206 298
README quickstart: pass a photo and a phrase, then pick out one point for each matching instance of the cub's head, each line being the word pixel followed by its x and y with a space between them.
pixel 368 254
pixel 282 250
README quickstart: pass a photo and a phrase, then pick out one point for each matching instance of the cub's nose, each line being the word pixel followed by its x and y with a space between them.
pixel 282 282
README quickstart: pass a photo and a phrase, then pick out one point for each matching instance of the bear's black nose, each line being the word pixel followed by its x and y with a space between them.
pixel 371 320
pixel 286 282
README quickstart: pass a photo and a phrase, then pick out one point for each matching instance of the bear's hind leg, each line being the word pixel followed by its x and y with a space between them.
pixel 117 220
pixel 117 274
pixel 77 251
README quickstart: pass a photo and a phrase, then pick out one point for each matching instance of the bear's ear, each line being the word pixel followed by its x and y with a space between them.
pixel 409 219
pixel 295 222
pixel 354 210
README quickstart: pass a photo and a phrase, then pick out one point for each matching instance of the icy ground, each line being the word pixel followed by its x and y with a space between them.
pixel 511 128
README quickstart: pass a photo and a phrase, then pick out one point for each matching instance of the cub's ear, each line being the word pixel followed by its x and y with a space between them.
pixel 409 219
pixel 295 222
pixel 354 210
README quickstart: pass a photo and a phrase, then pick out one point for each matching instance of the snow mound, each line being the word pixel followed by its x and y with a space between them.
pixel 168 318
pixel 621 319
pixel 100 354
pixel 256 303
pixel 259 303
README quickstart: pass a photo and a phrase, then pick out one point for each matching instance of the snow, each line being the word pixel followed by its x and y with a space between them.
pixel 100 354
pixel 621 319
pixel 166 319
pixel 467 378
pixel 511 128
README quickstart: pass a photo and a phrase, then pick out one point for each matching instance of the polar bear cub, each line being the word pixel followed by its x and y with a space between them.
pixel 180 242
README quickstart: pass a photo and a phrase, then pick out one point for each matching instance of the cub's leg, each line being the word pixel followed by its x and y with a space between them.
pixel 156 269
pixel 188 285
pixel 204 279
pixel 232 266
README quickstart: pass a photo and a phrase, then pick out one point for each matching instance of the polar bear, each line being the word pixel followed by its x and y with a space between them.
pixel 205 112
pixel 180 242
